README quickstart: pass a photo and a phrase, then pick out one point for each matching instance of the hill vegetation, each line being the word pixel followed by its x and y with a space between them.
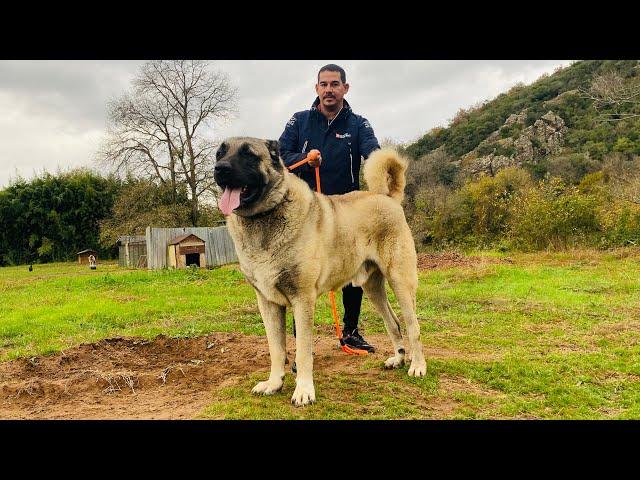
pixel 549 165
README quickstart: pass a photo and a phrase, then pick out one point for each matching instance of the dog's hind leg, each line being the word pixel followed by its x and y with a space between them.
pixel 273 317
pixel 376 293
pixel 303 310
pixel 405 286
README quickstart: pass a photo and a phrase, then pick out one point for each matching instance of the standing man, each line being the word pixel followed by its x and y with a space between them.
pixel 342 138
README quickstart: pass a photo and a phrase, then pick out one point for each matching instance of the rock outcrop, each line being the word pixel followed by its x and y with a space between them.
pixel 544 137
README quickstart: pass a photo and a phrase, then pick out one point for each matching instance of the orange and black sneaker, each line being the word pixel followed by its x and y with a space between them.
pixel 354 340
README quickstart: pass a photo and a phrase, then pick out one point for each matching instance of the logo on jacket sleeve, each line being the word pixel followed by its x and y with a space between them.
pixel 291 122
pixel 345 135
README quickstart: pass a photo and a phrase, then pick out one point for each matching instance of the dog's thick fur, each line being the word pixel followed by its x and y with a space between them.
pixel 294 245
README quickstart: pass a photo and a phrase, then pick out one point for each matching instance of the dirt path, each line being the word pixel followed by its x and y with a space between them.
pixel 128 378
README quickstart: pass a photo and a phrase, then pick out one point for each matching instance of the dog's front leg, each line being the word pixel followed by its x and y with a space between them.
pixel 305 392
pixel 273 317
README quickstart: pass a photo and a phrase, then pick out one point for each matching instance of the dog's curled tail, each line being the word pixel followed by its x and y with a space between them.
pixel 384 172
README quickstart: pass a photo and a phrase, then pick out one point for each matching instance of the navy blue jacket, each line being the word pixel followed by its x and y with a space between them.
pixel 342 142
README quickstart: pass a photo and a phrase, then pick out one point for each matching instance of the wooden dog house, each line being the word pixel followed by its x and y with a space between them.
pixel 83 256
pixel 186 250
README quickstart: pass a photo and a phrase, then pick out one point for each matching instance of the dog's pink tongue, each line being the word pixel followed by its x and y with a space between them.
pixel 230 200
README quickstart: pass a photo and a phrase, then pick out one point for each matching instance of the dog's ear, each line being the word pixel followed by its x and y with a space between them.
pixel 274 150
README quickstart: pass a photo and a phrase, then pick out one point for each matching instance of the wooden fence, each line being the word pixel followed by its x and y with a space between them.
pixel 132 251
pixel 219 249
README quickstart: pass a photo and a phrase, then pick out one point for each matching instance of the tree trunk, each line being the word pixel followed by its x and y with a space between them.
pixel 172 173
pixel 194 206
pixel 193 180
pixel 174 198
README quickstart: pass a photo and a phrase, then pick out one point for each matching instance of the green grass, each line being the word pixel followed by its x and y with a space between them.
pixel 61 305
pixel 549 335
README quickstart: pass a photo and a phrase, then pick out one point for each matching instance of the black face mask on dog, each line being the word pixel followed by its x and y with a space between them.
pixel 239 177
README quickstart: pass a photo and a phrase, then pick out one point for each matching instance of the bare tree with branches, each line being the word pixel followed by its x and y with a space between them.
pixel 163 129
pixel 614 97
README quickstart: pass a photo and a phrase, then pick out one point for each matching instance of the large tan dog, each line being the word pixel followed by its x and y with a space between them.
pixel 294 245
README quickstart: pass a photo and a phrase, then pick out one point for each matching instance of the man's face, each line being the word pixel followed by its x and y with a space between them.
pixel 331 90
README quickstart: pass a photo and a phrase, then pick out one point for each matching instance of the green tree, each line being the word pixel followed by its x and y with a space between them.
pixel 52 217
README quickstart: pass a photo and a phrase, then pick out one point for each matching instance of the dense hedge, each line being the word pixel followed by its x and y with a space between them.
pixel 52 217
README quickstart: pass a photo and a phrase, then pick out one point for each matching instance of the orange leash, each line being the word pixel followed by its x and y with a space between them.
pixel 313 155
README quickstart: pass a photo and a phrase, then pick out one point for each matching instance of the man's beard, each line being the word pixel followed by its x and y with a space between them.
pixel 331 108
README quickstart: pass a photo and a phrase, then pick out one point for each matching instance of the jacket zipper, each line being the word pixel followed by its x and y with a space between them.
pixel 329 122
pixel 351 160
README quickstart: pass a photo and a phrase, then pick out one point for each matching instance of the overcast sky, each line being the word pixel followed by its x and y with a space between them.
pixel 53 113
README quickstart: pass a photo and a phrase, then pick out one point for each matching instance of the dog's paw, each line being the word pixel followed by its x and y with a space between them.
pixel 267 388
pixel 304 394
pixel 396 361
pixel 418 369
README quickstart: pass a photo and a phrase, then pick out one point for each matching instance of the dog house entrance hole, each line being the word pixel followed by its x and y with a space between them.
pixel 192 259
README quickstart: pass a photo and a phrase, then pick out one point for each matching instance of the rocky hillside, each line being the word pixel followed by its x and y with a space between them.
pixel 528 144
pixel 551 126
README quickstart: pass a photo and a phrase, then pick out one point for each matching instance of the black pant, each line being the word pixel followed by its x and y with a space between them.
pixel 351 300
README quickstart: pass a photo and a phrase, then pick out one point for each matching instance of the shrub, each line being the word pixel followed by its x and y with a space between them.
pixel 572 167
pixel 505 150
pixel 626 146
pixel 475 215
pixel 537 144
pixel 596 150
pixel 620 224
pixel 592 183
pixel 552 217
pixel 485 149
pixel 511 131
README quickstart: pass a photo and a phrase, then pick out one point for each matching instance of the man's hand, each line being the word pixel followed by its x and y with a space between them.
pixel 315 162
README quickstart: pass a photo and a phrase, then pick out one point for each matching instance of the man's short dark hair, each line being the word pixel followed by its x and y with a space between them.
pixel 332 67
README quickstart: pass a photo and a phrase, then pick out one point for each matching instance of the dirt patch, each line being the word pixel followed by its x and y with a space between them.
pixel 430 261
pixel 126 377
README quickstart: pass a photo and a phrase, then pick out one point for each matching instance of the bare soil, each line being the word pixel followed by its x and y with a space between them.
pixel 431 261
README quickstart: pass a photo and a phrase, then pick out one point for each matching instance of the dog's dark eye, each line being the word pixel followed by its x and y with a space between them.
pixel 247 153
pixel 221 151
pixel 245 150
